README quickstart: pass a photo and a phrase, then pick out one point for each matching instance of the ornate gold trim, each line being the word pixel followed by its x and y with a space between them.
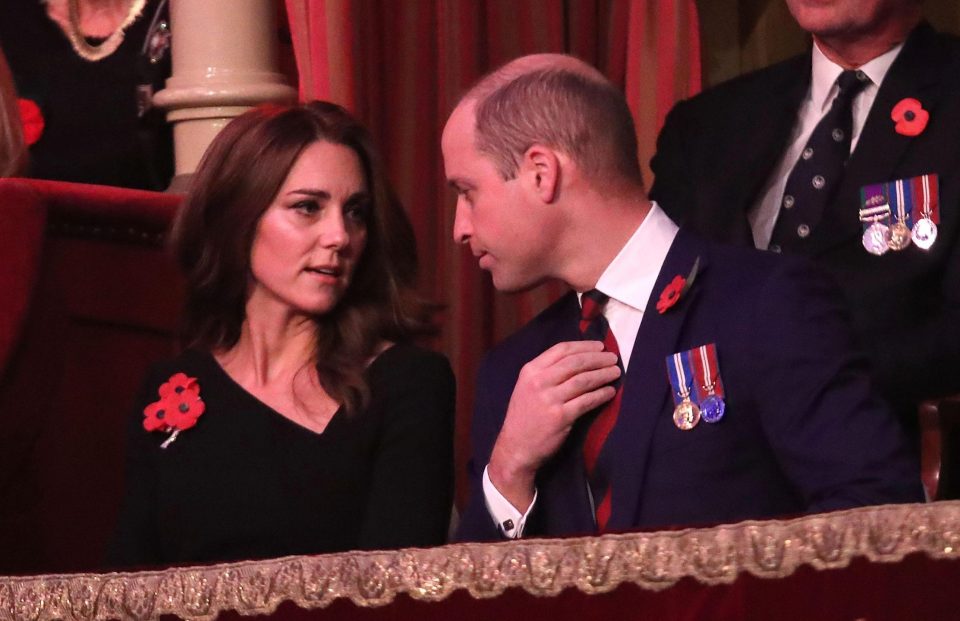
pixel 654 561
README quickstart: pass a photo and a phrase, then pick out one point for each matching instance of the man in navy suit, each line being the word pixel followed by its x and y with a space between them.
pixel 542 155
pixel 724 159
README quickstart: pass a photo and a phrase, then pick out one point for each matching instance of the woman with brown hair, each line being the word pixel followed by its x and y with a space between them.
pixel 301 419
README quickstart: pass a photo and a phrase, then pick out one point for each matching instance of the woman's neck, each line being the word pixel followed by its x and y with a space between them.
pixel 273 360
pixel 97 18
pixel 271 349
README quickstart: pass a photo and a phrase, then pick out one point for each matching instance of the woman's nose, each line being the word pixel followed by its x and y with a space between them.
pixel 334 232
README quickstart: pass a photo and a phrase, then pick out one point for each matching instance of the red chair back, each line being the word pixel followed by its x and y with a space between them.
pixel 89 297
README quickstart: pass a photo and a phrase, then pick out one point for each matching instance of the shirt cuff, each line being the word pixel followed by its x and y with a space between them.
pixel 507 519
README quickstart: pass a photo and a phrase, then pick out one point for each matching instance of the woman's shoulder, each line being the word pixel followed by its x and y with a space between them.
pixel 408 355
pixel 199 367
pixel 190 362
pixel 412 383
pixel 408 362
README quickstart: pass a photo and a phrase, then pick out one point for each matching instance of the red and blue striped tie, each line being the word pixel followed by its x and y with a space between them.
pixel 593 325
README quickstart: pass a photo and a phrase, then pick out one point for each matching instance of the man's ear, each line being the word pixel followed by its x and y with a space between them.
pixel 540 171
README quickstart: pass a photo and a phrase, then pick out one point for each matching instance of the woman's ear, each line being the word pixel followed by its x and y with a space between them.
pixel 540 171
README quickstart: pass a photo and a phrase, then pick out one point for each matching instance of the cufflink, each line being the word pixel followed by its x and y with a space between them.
pixel 507 526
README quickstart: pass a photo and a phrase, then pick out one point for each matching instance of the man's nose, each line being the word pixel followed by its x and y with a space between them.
pixel 462 227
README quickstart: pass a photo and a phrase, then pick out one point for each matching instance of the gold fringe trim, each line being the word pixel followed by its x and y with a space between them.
pixel 654 561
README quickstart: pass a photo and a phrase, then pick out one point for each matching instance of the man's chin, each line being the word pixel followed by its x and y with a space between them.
pixel 512 284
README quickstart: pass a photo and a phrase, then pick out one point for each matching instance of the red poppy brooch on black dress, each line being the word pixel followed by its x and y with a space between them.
pixel 178 408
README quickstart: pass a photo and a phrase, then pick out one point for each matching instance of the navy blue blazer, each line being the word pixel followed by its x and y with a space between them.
pixel 717 150
pixel 803 431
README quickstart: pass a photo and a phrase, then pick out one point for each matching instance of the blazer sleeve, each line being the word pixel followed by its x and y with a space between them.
pixel 834 438
pixel 411 491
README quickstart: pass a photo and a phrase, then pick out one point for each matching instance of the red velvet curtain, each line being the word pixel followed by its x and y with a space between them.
pixel 400 66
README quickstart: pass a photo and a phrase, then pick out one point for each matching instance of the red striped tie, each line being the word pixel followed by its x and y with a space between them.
pixel 593 325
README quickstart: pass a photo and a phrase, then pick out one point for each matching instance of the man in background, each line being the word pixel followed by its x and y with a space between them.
pixel 847 155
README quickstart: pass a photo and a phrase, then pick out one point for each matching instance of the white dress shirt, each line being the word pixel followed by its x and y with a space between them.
pixel 819 98
pixel 628 281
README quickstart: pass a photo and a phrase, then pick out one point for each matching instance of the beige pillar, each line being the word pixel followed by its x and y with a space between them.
pixel 224 62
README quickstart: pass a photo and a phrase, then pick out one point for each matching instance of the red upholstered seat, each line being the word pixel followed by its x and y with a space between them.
pixel 89 296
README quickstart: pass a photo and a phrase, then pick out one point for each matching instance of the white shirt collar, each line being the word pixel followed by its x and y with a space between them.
pixel 825 72
pixel 631 275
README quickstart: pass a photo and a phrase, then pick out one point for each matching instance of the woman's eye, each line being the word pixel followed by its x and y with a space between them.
pixel 307 207
pixel 357 212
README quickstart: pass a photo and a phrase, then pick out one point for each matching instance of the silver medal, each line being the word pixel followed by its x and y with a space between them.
pixel 924 233
pixel 876 238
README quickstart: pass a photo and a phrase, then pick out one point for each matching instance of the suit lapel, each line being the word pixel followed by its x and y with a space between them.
pixel 647 389
pixel 880 148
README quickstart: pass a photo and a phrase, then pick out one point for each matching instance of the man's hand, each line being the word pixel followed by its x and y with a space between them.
pixel 552 392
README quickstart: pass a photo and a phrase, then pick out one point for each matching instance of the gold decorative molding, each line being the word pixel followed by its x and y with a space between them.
pixel 544 567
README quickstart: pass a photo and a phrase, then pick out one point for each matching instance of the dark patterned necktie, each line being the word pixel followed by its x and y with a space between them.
pixel 594 326
pixel 814 180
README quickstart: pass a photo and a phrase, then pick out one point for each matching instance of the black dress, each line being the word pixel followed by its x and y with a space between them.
pixel 246 482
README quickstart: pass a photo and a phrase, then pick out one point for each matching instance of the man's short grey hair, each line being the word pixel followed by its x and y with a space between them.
pixel 581 115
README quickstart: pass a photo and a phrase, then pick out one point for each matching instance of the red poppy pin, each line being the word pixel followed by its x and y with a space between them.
pixel 910 117
pixel 31 119
pixel 677 288
pixel 178 408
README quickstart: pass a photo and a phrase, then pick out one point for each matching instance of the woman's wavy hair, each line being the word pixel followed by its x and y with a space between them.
pixel 238 178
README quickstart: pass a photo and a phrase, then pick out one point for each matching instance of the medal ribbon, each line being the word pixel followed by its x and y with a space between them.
pixel 706 373
pixel 926 204
pixel 876 204
pixel 904 201
pixel 680 374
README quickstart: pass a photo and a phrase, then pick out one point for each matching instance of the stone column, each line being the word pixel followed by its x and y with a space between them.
pixel 224 62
